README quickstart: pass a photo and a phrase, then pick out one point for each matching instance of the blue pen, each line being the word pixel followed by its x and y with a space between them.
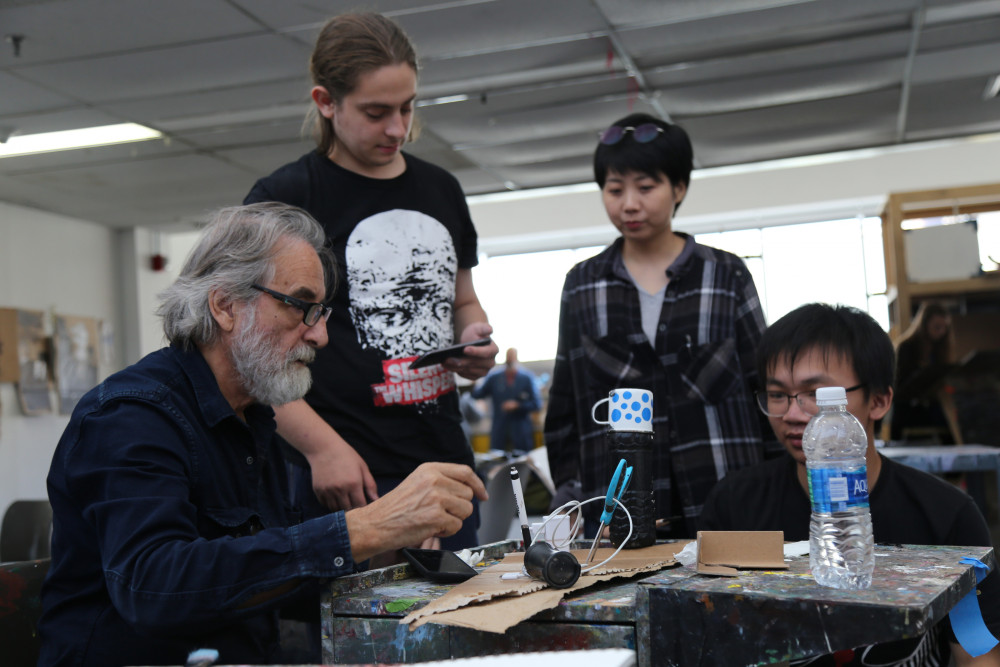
pixel 614 493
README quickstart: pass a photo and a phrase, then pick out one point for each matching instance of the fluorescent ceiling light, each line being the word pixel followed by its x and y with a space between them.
pixel 48 142
pixel 448 99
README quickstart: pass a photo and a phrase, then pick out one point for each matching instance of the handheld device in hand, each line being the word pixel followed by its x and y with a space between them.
pixel 438 356
pixel 439 565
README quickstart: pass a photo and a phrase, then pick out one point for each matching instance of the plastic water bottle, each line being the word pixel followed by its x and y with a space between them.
pixel 841 546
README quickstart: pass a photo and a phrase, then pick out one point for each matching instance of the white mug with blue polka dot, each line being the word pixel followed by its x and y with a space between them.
pixel 629 409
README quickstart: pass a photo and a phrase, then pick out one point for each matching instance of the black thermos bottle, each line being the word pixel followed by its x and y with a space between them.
pixel 636 447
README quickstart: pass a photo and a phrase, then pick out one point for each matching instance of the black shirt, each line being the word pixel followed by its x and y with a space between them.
pixel 908 506
pixel 399 243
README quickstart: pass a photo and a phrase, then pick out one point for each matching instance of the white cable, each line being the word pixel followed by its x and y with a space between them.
pixel 574 506
pixel 620 546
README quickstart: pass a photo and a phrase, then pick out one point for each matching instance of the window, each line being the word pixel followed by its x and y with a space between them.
pixel 521 296
pixel 839 261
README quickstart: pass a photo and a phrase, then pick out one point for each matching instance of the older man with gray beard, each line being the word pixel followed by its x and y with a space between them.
pixel 172 529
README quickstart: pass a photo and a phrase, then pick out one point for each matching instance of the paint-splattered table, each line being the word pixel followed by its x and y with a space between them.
pixel 676 615
pixel 360 618
pixel 762 617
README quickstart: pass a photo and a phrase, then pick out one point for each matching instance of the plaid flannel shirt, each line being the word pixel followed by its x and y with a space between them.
pixel 701 372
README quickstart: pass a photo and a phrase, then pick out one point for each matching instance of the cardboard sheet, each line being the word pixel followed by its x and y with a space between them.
pixel 725 552
pixel 487 602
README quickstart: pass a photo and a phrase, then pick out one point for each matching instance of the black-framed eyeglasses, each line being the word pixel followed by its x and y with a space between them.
pixel 776 403
pixel 312 313
pixel 643 134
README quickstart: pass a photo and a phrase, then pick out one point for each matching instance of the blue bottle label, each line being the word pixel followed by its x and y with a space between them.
pixel 833 490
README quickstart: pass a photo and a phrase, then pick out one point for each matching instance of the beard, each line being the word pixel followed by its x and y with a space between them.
pixel 270 376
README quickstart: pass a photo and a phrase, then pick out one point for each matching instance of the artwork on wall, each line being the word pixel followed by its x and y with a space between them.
pixel 9 371
pixel 76 347
pixel 33 354
pixel 108 357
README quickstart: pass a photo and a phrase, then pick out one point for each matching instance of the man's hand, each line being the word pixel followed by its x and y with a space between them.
pixel 340 477
pixel 431 502
pixel 510 405
pixel 479 359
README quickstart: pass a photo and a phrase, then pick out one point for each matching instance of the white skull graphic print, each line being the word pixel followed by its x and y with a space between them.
pixel 401 268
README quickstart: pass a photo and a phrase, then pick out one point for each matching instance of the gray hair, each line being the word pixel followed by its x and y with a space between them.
pixel 235 251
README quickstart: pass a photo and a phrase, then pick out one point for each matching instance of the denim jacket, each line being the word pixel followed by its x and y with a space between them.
pixel 171 524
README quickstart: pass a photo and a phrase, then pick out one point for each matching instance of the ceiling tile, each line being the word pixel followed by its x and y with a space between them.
pixel 176 69
pixel 75 29
pixel 227 81
pixel 475 27
pixel 792 87
pixel 144 192
pixel 21 97
pixel 286 99
pixel 953 108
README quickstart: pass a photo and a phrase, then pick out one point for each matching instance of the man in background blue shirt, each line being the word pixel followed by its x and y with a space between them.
pixel 171 525
pixel 515 396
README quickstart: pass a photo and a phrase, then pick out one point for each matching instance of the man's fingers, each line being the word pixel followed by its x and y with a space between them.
pixel 467 476
pixel 454 512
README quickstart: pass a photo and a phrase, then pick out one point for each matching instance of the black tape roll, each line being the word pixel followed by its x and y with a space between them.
pixel 559 569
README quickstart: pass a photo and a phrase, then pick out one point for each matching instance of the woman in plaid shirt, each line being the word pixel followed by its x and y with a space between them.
pixel 656 310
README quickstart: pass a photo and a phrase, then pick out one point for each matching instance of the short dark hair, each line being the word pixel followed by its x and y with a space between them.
pixel 669 154
pixel 847 332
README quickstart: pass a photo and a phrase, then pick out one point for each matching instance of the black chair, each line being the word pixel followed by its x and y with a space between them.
pixel 26 530
pixel 20 608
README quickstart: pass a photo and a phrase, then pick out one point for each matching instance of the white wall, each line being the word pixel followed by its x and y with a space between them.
pixel 57 265
pixel 140 245
pixel 73 267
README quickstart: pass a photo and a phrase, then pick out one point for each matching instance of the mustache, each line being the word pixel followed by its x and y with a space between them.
pixel 304 353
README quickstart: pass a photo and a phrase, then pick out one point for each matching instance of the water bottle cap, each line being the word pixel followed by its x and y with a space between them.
pixel 831 396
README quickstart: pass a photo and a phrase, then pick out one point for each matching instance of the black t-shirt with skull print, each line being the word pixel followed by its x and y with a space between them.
pixel 399 244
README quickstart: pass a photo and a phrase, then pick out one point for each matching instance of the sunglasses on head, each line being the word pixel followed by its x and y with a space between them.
pixel 643 134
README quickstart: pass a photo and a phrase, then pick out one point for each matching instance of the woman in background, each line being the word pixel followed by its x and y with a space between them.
pixel 924 350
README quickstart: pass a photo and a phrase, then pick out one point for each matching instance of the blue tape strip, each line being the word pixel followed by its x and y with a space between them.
pixel 967 619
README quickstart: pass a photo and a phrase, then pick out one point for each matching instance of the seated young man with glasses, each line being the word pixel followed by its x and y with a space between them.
pixel 819 345
pixel 659 311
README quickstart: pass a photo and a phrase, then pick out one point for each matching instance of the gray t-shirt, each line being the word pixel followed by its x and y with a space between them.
pixel 650 306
